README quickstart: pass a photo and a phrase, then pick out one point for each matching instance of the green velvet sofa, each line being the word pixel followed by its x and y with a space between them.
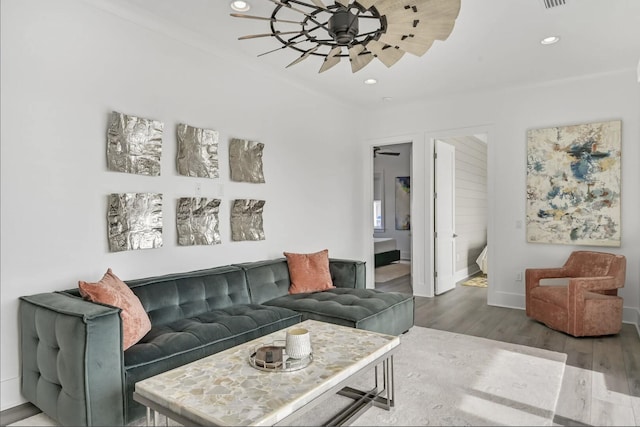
pixel 73 366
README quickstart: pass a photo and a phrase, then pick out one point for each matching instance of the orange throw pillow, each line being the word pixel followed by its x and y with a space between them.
pixel 113 291
pixel 309 272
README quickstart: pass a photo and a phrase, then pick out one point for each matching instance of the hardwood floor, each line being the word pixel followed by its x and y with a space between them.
pixel 601 383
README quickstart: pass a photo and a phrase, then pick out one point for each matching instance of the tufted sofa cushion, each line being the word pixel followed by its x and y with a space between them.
pixel 270 279
pixel 386 312
pixel 185 340
pixel 184 295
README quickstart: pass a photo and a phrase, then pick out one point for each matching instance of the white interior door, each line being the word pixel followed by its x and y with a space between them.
pixel 445 248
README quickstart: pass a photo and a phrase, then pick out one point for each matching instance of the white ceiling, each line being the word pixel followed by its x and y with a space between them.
pixel 495 43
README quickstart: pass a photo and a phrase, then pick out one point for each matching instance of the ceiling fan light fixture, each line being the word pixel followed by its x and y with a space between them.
pixel 550 40
pixel 370 81
pixel 240 6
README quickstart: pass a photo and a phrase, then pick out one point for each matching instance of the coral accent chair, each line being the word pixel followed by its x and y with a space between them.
pixel 588 305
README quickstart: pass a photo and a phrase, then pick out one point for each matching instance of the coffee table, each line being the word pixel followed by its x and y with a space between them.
pixel 223 389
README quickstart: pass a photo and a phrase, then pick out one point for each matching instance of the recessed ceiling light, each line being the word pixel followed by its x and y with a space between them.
pixel 240 6
pixel 370 81
pixel 550 40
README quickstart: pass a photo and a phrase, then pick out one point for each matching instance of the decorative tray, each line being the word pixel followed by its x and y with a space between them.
pixel 273 358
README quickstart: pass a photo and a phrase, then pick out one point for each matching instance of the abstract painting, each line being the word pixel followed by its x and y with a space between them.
pixel 197 221
pixel 403 203
pixel 573 184
pixel 134 221
pixel 197 152
pixel 246 220
pixel 245 160
pixel 134 144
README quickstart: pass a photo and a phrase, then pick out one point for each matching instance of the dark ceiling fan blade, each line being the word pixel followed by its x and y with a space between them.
pixel 303 56
pixel 376 151
pixel 255 36
pixel 290 43
pixel 262 18
pixel 312 18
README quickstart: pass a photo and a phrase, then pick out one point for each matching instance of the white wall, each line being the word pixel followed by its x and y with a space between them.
pixel 392 167
pixel 65 66
pixel 508 114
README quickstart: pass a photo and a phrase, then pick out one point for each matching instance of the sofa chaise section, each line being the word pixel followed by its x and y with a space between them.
pixel 349 304
pixel 385 312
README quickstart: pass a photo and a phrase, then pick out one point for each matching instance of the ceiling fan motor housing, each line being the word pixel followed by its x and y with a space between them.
pixel 343 26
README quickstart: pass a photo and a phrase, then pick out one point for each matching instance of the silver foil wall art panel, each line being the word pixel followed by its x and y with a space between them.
pixel 245 160
pixel 134 144
pixel 197 221
pixel 197 152
pixel 246 220
pixel 134 221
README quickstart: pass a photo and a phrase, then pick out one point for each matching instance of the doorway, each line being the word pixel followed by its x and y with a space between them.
pixel 460 211
pixel 392 234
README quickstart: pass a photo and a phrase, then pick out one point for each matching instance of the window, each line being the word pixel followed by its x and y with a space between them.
pixel 377 215
pixel 378 201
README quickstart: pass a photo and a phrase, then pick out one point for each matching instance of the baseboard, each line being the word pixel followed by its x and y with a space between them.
pixel 632 315
pixel 18 413
pixel 10 393
pixel 465 272
pixel 507 300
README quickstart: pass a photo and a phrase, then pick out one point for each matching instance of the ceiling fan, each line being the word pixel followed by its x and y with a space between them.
pixel 376 152
pixel 358 29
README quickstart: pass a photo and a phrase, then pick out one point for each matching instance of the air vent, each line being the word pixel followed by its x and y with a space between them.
pixel 550 4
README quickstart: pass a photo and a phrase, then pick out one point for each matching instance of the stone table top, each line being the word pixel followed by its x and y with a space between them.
pixel 223 389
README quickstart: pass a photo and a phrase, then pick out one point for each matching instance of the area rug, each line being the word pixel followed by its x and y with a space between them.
pixel 477 281
pixel 391 271
pixel 447 379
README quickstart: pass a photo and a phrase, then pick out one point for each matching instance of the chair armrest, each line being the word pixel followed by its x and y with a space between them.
pixel 578 288
pixel 586 284
pixel 72 359
pixel 534 275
